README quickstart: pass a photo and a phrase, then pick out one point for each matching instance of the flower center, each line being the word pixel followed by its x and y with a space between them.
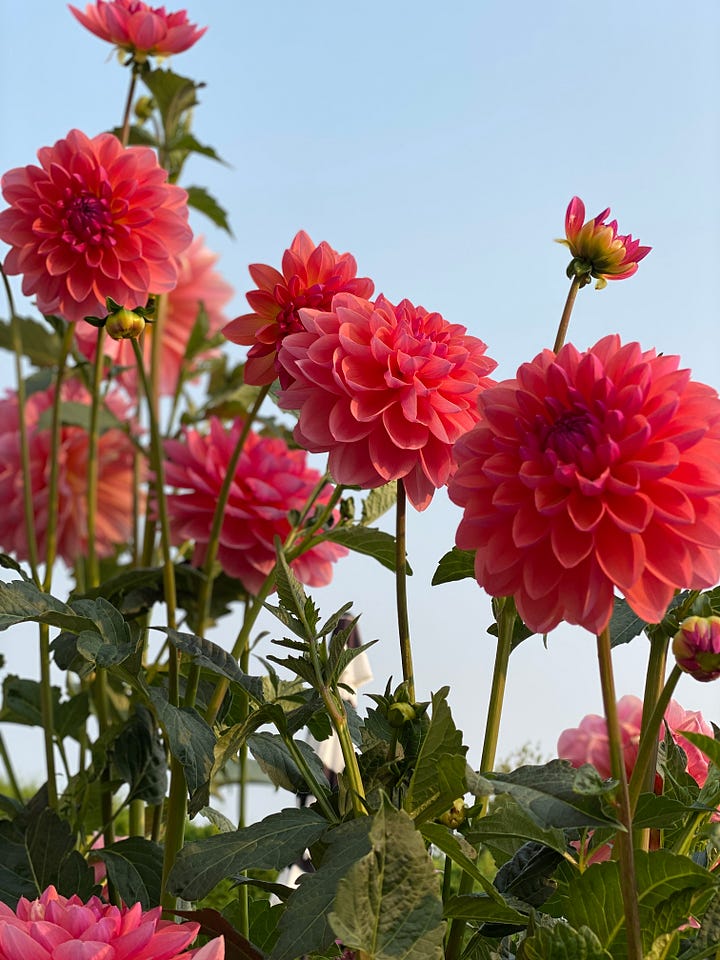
pixel 572 434
pixel 86 221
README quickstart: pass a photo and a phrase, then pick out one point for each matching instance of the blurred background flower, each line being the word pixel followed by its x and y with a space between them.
pixel 140 29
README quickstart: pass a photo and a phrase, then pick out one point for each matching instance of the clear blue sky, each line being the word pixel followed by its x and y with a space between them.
pixel 441 148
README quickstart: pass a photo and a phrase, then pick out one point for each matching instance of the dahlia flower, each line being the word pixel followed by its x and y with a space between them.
pixel 310 277
pixel 94 220
pixel 54 927
pixel 198 285
pixel 597 248
pixel 386 390
pixel 587 472
pixel 142 30
pixel 270 481
pixel 589 742
pixel 115 478
pixel 696 647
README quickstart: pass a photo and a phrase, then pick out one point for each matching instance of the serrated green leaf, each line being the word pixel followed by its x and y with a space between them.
pixel 388 903
pixel 271 844
pixel 561 942
pixel 625 624
pixel 369 541
pixel 276 761
pixel 481 909
pixel 378 502
pixel 16 875
pixel 10 563
pixel 40 345
pixel 292 596
pixel 134 867
pixel 49 839
pixel 22 601
pixel 139 758
pixel 75 414
pixel 22 701
pixel 188 143
pixel 445 840
pixel 200 199
pixel 439 775
pixel 211 656
pixel 455 565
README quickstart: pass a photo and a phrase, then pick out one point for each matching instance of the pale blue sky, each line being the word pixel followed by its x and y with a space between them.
pixel 441 148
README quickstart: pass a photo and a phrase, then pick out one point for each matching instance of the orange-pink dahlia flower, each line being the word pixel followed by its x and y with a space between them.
pixel 311 276
pixel 54 927
pixel 589 743
pixel 587 472
pixel 597 248
pixel 385 390
pixel 142 30
pixel 696 647
pixel 94 220
pixel 270 481
pixel 198 285
pixel 115 479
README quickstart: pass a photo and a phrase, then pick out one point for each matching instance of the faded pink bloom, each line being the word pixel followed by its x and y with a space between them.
pixel 385 390
pixel 587 472
pixel 198 284
pixel 589 742
pixel 115 479
pixel 597 248
pixel 270 481
pixel 142 30
pixel 54 927
pixel 311 276
pixel 94 220
pixel 696 647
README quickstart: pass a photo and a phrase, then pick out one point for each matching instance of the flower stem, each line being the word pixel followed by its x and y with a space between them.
pixel 506 615
pixel 125 131
pixel 10 772
pixel 401 591
pixel 628 881
pixel 654 683
pixel 93 467
pixel 647 750
pixel 567 310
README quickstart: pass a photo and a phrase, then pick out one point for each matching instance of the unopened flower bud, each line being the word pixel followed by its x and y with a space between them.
pixel 455 815
pixel 144 107
pixel 400 713
pixel 124 324
pixel 696 647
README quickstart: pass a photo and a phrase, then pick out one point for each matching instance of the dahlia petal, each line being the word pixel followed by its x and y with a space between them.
pixel 649 597
pixel 631 514
pixel 570 544
pixel 621 561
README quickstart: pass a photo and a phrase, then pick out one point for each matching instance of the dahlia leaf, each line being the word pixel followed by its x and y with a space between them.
pixel 74 414
pixel 188 144
pixel 76 876
pixel 378 502
pixel 709 746
pixel 507 826
pixel 22 701
pixel 134 867
pixel 275 759
pixel 482 909
pixel 369 541
pixel 549 794
pixel 269 845
pixel 233 739
pixel 208 655
pixel 527 876
pixel 293 597
pixel 192 743
pixel 16 875
pixel 708 936
pixel 670 888
pixel 304 926
pixel 388 903
pixel 455 565
pixel 39 345
pixel 21 601
pixel 557 939
pixel 172 94
pixel 439 775
pixel 201 200
pixel 9 563
pixel 445 840
pixel 139 757
pixel 48 840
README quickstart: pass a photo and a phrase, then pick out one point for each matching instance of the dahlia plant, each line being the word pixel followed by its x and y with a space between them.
pixel 171 488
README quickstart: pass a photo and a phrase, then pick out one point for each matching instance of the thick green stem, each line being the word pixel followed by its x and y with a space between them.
pixel 316 788
pixel 628 880
pixel 125 130
pixel 137 818
pixel 100 696
pixel 12 779
pixel 567 311
pixel 401 591
pixel 93 467
pixel 644 770
pixel 506 616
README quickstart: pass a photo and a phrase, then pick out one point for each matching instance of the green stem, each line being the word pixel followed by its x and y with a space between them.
pixel 401 591
pixel 647 750
pixel 654 682
pixel 506 615
pixel 93 467
pixel 137 818
pixel 125 131
pixel 12 779
pixel 628 880
pixel 316 788
pixel 100 696
pixel 567 311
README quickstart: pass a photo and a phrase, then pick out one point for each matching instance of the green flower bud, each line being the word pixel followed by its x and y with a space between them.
pixel 125 324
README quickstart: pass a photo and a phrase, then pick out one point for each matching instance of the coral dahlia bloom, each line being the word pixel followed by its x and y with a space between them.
pixel 115 478
pixel 591 471
pixel 386 390
pixel 270 481
pixel 65 928
pixel 140 29
pixel 310 277
pixel 597 248
pixel 198 285
pixel 94 220
pixel 589 742
pixel 696 647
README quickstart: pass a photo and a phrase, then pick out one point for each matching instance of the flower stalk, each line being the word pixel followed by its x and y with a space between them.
pixel 575 285
pixel 401 591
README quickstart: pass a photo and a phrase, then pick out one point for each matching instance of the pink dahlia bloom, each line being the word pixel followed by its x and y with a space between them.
pixel 386 390
pixel 597 248
pixel 94 220
pixel 589 742
pixel 310 277
pixel 587 472
pixel 198 285
pixel 115 481
pixel 64 928
pixel 270 481
pixel 696 647
pixel 142 30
